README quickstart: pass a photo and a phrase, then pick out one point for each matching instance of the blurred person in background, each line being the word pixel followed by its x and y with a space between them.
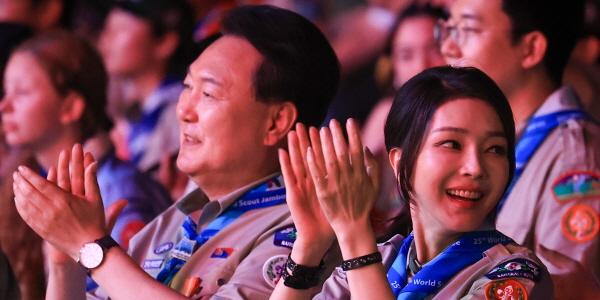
pixel 583 70
pixel 413 49
pixel 552 206
pixel 55 97
pixel 146 46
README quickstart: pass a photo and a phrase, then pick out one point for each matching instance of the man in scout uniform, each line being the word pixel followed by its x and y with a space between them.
pixel 553 203
pixel 230 238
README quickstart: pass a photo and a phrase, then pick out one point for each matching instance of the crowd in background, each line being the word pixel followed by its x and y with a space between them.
pixel 145 48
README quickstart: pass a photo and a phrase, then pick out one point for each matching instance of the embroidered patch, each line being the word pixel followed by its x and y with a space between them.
pixel 519 267
pixel 273 268
pixel 152 264
pixel 163 248
pixel 222 252
pixel 274 184
pixel 580 223
pixel 191 286
pixel 504 290
pixel 285 237
pixel 576 185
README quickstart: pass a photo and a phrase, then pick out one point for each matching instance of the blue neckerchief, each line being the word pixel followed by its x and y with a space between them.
pixel 270 193
pixel 536 132
pixel 463 253
pixel 144 126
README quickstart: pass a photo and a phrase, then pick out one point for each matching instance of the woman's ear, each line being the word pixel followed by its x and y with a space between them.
pixel 394 156
pixel 281 120
pixel 72 108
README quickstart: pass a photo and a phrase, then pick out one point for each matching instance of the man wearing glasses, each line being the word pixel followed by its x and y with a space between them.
pixel 552 205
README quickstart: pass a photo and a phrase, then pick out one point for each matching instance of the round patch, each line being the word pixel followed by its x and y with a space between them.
pixel 580 223
pixel 505 290
pixel 273 268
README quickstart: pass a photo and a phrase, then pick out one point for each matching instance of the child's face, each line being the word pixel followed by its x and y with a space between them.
pixel 31 107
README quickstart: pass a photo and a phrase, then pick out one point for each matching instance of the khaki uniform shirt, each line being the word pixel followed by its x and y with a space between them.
pixel 470 283
pixel 242 261
pixel 553 207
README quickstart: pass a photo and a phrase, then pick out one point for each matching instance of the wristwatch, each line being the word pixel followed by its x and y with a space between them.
pixel 91 254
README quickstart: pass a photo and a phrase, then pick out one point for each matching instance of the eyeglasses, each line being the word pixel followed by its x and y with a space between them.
pixel 459 33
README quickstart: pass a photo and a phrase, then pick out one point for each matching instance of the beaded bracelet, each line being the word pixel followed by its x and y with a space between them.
pixel 362 261
pixel 301 277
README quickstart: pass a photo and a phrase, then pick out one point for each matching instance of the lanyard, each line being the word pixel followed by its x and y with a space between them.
pixel 463 253
pixel 268 194
pixel 536 132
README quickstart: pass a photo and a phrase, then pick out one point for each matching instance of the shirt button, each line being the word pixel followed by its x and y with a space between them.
pixel 220 281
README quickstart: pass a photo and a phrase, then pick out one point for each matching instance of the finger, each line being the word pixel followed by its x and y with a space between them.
pixel 91 188
pixel 52 175
pixel 88 159
pixel 26 195
pixel 315 172
pixel 304 143
pixel 315 141
pixel 296 160
pixel 372 168
pixel 286 168
pixel 112 213
pixel 39 183
pixel 77 170
pixel 355 145
pixel 341 148
pixel 63 176
pixel 331 162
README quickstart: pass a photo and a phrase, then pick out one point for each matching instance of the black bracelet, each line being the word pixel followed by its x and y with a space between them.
pixel 362 261
pixel 301 277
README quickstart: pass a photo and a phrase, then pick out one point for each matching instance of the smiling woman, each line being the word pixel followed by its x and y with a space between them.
pixel 450 138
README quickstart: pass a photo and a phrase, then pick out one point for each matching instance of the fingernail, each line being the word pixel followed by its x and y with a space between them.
pixel 21 168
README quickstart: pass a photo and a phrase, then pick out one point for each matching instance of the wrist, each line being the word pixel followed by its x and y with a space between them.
pixel 357 241
pixel 309 253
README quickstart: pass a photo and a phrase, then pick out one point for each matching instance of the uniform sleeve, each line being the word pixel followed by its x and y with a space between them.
pixel 260 271
pixel 335 287
pixel 567 224
pixel 518 278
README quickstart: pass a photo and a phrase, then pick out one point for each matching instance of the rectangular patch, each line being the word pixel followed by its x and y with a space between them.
pixel 285 237
pixel 152 264
pixel 222 252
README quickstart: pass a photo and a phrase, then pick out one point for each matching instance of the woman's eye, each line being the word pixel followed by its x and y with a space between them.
pixel 450 144
pixel 498 149
pixel 186 86
pixel 206 94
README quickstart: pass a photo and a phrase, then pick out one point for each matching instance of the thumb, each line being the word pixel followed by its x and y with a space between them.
pixel 372 167
pixel 112 213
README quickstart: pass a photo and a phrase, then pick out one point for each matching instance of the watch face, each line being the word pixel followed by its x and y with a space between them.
pixel 90 255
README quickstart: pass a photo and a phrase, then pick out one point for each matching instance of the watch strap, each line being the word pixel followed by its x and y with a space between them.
pixel 106 242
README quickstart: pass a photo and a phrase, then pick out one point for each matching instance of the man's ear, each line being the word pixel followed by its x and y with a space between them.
pixel 534 45
pixel 394 157
pixel 281 120
pixel 167 44
pixel 72 108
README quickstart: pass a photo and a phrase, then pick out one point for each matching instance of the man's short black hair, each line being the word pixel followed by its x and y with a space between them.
pixel 298 64
pixel 561 22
